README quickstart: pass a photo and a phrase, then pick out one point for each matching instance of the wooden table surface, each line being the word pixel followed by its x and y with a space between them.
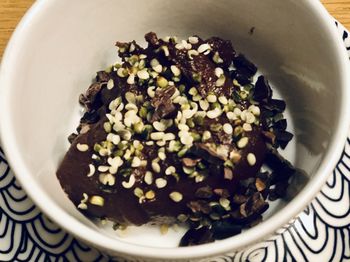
pixel 11 12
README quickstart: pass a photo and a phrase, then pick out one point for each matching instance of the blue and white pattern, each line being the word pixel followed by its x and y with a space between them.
pixel 321 232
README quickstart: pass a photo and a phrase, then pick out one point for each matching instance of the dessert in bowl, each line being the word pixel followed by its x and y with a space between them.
pixel 45 70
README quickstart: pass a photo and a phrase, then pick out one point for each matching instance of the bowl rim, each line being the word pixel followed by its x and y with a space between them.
pixel 103 242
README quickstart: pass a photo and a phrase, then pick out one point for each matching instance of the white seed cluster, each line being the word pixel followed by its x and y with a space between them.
pixel 129 126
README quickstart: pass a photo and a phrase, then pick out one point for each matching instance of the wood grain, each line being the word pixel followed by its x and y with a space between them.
pixel 11 11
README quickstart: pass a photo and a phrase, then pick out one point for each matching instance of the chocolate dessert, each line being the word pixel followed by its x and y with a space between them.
pixel 178 132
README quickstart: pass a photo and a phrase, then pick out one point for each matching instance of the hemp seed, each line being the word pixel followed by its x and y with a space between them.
pixel 251 159
pixel 82 147
pixel 176 196
pixel 97 201
pixel 161 182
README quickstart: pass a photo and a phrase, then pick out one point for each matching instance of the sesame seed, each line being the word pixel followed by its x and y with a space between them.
pixel 130 183
pixel 192 53
pixel 161 182
pixel 170 170
pixel 82 147
pixel 175 70
pixel 157 135
pixel 92 170
pixel 193 40
pixel 211 98
pixel 148 178
pixel 203 47
pixel 110 84
pixel 228 129
pixel 97 201
pixel 247 127
pixel 131 79
pixel 155 166
pixel 143 74
pixel 175 196
pixel 251 159
pixel 243 142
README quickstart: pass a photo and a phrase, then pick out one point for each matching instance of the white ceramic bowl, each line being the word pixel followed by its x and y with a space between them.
pixel 59 45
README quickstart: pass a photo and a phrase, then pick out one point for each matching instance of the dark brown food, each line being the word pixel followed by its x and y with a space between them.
pixel 135 159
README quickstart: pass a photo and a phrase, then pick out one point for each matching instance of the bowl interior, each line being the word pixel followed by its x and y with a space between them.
pixel 66 42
